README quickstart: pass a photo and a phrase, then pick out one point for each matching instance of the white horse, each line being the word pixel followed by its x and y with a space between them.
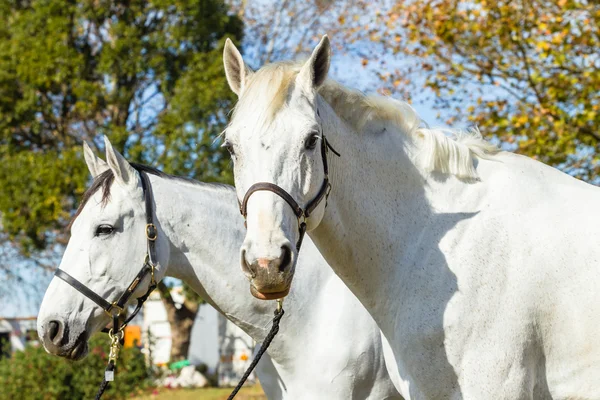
pixel 328 345
pixel 482 268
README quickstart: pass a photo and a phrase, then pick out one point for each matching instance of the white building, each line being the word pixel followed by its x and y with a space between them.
pixel 216 342
pixel 15 333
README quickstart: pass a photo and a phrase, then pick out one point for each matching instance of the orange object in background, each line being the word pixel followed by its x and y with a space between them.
pixel 133 336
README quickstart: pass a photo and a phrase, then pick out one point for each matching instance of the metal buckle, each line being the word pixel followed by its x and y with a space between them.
pixel 327 192
pixel 151 232
pixel 134 285
pixel 148 263
pixel 302 218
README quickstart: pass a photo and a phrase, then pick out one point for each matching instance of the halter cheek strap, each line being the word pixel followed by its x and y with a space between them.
pixel 301 213
pixel 117 307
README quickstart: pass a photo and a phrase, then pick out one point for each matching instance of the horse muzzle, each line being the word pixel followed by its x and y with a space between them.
pixel 270 278
pixel 58 340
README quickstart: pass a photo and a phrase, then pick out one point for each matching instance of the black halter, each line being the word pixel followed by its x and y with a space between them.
pixel 117 307
pixel 301 213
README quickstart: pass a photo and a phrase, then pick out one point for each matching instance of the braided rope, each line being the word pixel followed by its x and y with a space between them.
pixel 105 383
pixel 265 345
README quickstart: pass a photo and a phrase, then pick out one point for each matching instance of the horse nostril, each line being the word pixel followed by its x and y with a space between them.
pixel 53 330
pixel 246 266
pixel 286 257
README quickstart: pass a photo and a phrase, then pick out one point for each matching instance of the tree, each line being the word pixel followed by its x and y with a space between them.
pixel 148 74
pixel 181 316
pixel 282 30
pixel 526 72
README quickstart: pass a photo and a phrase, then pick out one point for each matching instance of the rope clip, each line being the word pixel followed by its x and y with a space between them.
pixel 115 345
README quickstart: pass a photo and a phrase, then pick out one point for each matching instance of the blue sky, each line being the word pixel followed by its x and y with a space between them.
pixel 22 299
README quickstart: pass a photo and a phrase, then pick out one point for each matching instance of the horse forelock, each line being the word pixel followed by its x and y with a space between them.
pixel 103 181
pixel 267 90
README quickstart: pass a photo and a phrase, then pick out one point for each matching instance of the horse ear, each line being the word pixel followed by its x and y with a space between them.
pixel 236 70
pixel 96 165
pixel 314 72
pixel 125 174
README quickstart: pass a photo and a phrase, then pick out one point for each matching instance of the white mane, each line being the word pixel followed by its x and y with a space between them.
pixel 449 155
pixel 268 90
pixel 454 155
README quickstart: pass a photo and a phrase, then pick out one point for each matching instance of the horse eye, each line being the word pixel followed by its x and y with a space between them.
pixel 312 141
pixel 229 148
pixel 104 230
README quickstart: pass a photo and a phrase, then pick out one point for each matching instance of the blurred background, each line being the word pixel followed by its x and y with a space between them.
pixel 149 75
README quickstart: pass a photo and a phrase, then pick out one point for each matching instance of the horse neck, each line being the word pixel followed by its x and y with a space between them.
pixel 377 207
pixel 205 232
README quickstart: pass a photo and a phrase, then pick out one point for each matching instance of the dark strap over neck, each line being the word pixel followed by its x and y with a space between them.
pixel 151 231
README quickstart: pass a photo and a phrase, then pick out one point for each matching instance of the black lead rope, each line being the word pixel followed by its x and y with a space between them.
pixel 264 346
pixel 109 372
pixel 110 369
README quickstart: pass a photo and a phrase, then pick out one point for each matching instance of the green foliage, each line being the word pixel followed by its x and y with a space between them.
pixel 146 73
pixel 36 375
pixel 33 197
pixel 192 296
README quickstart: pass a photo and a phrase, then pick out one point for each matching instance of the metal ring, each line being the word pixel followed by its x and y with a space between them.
pixel 151 232
pixel 113 306
pixel 119 335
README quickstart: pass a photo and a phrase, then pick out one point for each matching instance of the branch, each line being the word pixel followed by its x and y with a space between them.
pixel 191 306
pixel 165 294
pixel 187 310
pixel 532 84
pixel 275 28
pixel 589 132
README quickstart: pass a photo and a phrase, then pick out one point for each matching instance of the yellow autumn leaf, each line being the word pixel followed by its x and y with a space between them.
pixel 543 45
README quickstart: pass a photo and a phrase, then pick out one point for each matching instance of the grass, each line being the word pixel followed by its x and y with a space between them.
pixel 247 393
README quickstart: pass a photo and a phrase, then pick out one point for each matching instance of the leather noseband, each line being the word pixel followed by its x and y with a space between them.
pixel 301 213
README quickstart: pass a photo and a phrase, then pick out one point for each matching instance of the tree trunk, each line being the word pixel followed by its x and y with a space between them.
pixel 181 320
